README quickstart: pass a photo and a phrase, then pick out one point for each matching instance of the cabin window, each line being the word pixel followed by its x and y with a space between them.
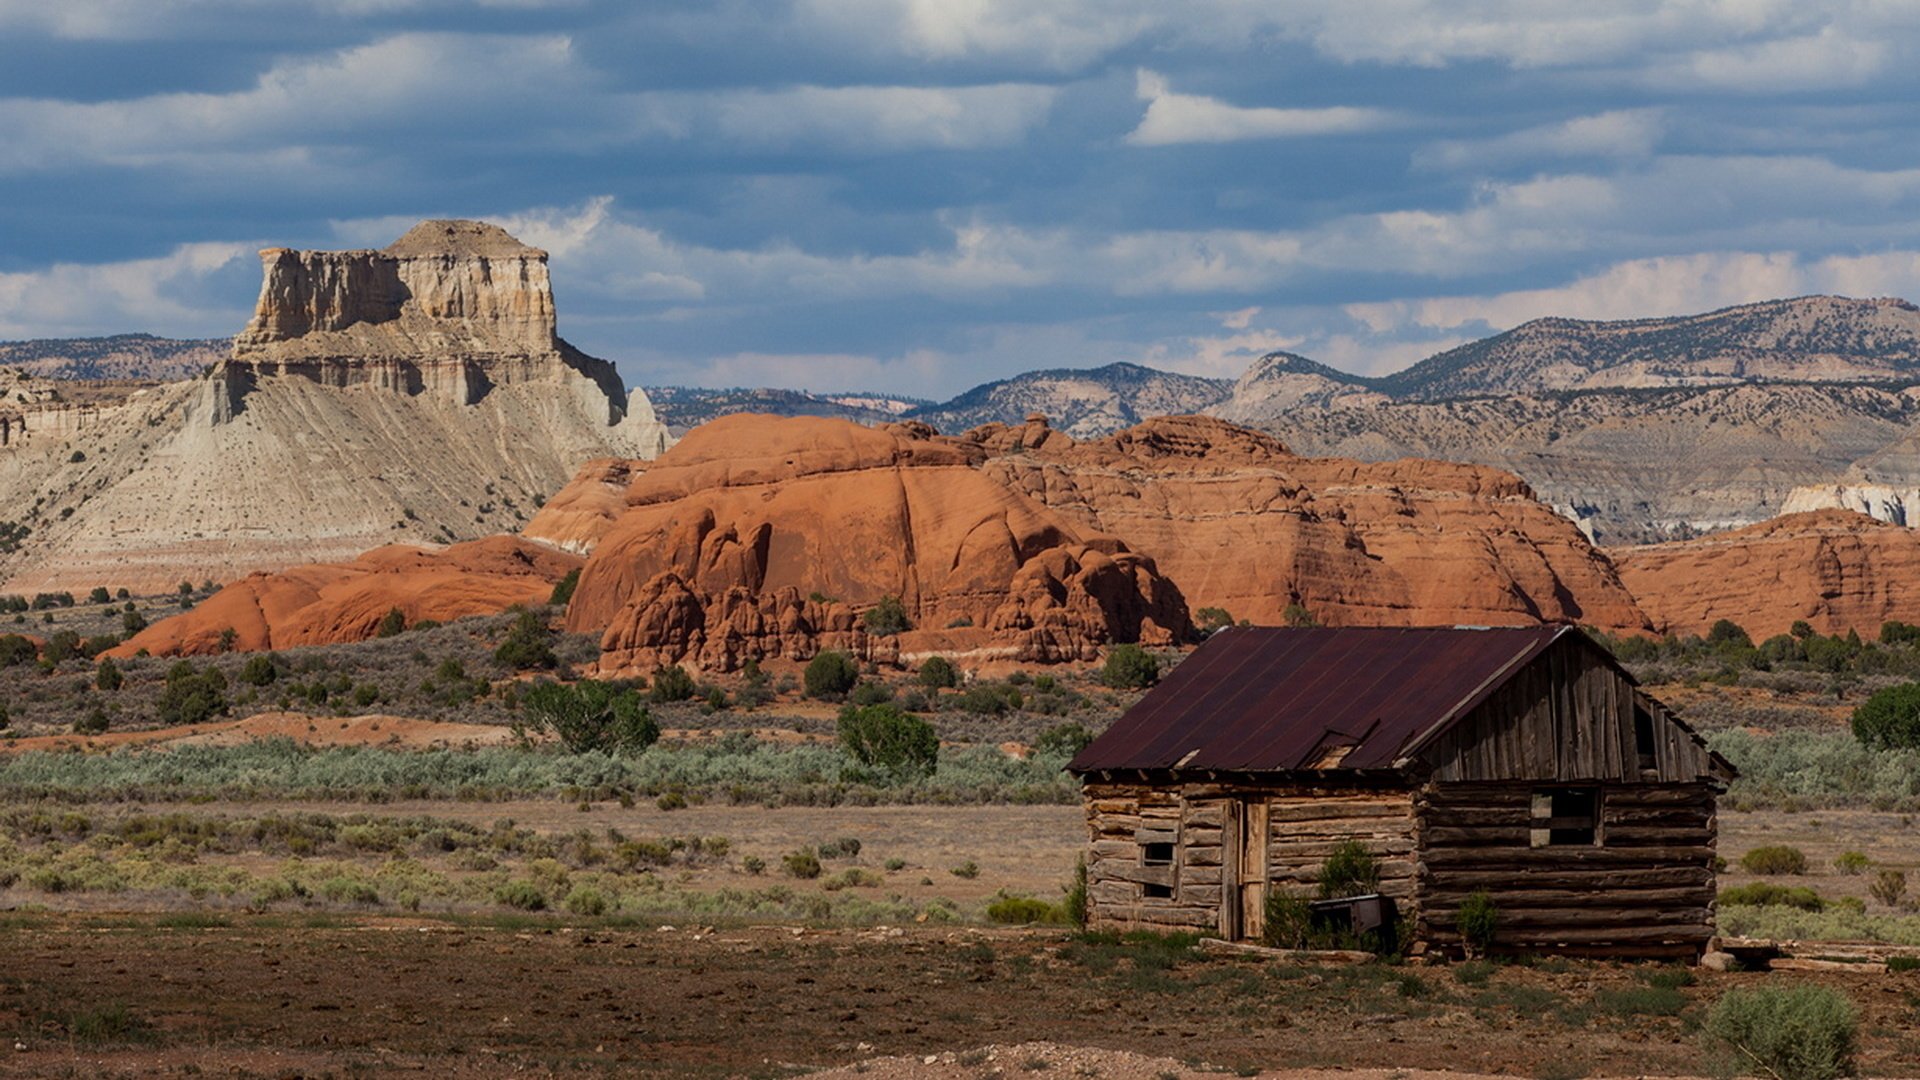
pixel 1158 853
pixel 1566 817
pixel 1643 738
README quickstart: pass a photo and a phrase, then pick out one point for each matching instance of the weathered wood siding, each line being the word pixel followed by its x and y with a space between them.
pixel 1645 889
pixel 1210 873
pixel 1568 715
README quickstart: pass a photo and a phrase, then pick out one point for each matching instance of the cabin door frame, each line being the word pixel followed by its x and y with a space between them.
pixel 1243 869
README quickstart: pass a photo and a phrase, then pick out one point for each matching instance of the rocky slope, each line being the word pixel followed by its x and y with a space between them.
pixel 683 408
pixel 1835 569
pixel 760 537
pixel 1083 403
pixel 1240 523
pixel 416 394
pixel 326 603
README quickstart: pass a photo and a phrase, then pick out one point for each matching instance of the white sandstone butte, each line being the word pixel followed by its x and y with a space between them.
pixel 417 394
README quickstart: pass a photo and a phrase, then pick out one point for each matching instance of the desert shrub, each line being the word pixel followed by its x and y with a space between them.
pixel 15 649
pixel 585 899
pixel 589 716
pixel 845 847
pixel 1288 921
pixel 93 722
pixel 563 589
pixel 803 864
pixel 100 595
pixel 392 624
pixel 132 622
pixel 1788 1032
pixel 1212 620
pixel 887 618
pixel 1063 740
pixel 108 677
pixel 192 695
pixel 853 877
pixel 1478 920
pixel 1350 871
pixel 1022 910
pixel 883 737
pixel 1889 887
pixel 1852 863
pixel 521 894
pixel 672 684
pixel 987 699
pixel 868 692
pixel 754 864
pixel 260 670
pixel 1728 632
pixel 1890 719
pixel 1774 859
pixel 966 871
pixel 528 644
pixel 1297 616
pixel 1073 906
pixel 1767 894
pixel 1130 667
pixel 4 718
pixel 938 673
pixel 830 675
pixel 1895 632
pixel 61 647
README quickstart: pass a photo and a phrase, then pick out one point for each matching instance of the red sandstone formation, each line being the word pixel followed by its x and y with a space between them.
pixel 1836 569
pixel 760 537
pixel 325 603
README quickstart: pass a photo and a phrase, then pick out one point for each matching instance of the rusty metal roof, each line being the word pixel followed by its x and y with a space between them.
pixel 1256 699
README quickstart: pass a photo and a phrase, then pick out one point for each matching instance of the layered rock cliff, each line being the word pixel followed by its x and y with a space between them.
pixel 1836 569
pixel 416 394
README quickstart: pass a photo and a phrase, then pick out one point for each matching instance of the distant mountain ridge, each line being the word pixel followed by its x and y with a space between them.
pixel 141 357
pixel 1083 402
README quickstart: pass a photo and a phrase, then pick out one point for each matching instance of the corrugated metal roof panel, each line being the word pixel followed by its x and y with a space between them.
pixel 1268 699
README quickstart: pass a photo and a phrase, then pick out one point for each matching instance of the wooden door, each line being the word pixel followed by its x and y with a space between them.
pixel 1243 870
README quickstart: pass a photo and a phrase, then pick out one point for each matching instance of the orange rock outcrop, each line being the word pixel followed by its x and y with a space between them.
pixel 759 537
pixel 326 603
pixel 1836 569
pixel 1244 525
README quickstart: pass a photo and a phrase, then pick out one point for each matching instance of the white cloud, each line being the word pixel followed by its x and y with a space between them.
pixel 168 294
pixel 880 117
pixel 1622 133
pixel 1187 118
pixel 1827 59
pixel 137 20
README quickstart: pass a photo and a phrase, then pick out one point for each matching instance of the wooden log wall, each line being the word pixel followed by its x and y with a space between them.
pixel 1646 889
pixel 1209 874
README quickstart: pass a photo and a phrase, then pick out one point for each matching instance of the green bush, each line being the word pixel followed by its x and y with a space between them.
pixel 528 644
pixel 108 677
pixel 1288 921
pixel 1063 740
pixel 1074 906
pixel 100 595
pixel 1852 863
pixel 1767 894
pixel 1212 620
pixel 16 649
pixel 1350 871
pixel 803 864
pixel 938 673
pixel 520 894
pixel 1130 667
pixel 259 670
pixel 1890 719
pixel 1478 920
pixel 93 722
pixel 1023 910
pixel 672 684
pixel 563 589
pixel 870 693
pixel 1889 887
pixel 830 675
pixel 887 618
pixel 584 899
pixel 845 847
pixel 589 716
pixel 1773 859
pixel 192 695
pixel 392 624
pixel 883 737
pixel 1788 1032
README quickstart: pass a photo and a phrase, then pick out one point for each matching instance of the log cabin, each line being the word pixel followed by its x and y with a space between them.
pixel 1523 762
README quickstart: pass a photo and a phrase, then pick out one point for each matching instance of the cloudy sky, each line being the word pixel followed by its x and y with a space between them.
pixel 919 195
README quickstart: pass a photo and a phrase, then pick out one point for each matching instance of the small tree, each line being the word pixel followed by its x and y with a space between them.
pixel 1212 620
pixel 192 695
pixel 16 649
pixel 830 675
pixel 392 624
pixel 1130 667
pixel 672 684
pixel 1297 616
pixel 563 589
pixel 100 595
pixel 938 673
pixel 107 676
pixel 132 622
pixel 1350 871
pixel 588 716
pixel 529 644
pixel 1890 719
pixel 1477 920
pixel 259 670
pixel 887 618
pixel 883 737
pixel 1728 632
pixel 1063 740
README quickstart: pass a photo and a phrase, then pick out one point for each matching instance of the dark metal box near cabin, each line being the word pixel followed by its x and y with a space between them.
pixel 1520 762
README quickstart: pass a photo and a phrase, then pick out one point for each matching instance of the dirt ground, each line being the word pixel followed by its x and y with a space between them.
pixel 384 996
